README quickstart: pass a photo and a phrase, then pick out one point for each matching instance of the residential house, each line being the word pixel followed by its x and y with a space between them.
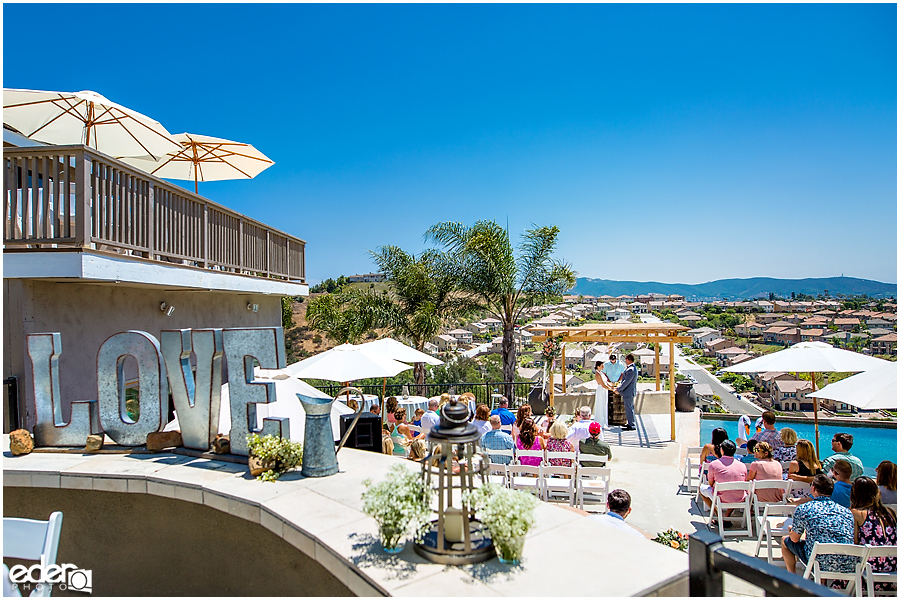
pixel 431 349
pixel 724 356
pixel 648 365
pixel 876 323
pixel 477 328
pixel 617 313
pixel 492 323
pixel 814 323
pixel 765 306
pixel 751 329
pixel 624 299
pixel 813 335
pixel 885 344
pixel 782 323
pixel 691 319
pixel 367 278
pixel 571 382
pixel 781 335
pixel 767 380
pixel 846 324
pixel 711 347
pixel 444 342
pixel 496 346
pixel 574 356
pixel 639 307
pixel 739 358
pixel 524 337
pixel 530 374
pixel 463 336
pixel 767 318
pixel 705 395
pixel 791 395
pixel 676 298
pixel 703 335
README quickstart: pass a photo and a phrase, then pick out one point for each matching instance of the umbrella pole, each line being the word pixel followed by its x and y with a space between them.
pixel 816 408
pixel 383 389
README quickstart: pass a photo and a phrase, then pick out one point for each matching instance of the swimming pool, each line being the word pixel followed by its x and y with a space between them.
pixel 870 444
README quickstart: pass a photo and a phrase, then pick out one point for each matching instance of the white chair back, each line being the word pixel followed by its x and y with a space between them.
pixel 491 453
pixel 27 539
pixel 855 578
pixel 799 489
pixel 584 457
pixel 769 484
pixel 415 429
pixel 872 577
pixel 719 507
pixel 570 456
pixel 691 462
pixel 773 524
pixel 559 483
pixel 593 482
pixel 525 477
pixel 530 453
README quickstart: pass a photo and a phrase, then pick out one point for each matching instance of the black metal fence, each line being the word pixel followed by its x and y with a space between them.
pixel 709 560
pixel 11 418
pixel 485 393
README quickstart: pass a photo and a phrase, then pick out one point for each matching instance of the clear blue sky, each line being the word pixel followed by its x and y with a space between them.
pixel 669 143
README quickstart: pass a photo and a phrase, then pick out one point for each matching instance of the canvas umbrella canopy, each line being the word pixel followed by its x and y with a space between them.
pixel 343 363
pixel 205 158
pixel 391 348
pixel 85 117
pixel 812 358
pixel 869 390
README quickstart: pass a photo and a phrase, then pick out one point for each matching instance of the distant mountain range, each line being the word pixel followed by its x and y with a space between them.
pixel 736 289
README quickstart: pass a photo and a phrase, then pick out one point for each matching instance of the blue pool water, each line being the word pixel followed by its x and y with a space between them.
pixel 871 444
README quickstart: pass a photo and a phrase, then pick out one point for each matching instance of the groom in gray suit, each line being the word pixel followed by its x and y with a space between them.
pixel 627 388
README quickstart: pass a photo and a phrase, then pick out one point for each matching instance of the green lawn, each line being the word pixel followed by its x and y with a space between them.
pixel 765 348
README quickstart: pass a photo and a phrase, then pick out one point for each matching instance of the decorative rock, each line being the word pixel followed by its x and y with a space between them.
pixel 20 442
pixel 222 445
pixel 259 466
pixel 94 443
pixel 161 440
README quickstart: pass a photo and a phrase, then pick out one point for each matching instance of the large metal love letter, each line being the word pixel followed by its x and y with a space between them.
pixel 266 345
pixel 50 429
pixel 153 392
pixel 197 398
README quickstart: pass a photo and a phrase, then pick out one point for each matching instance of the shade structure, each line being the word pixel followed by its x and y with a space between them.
pixel 88 118
pixel 205 158
pixel 286 404
pixel 869 390
pixel 391 348
pixel 810 357
pixel 345 363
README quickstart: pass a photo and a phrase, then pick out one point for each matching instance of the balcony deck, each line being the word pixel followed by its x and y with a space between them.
pixel 60 199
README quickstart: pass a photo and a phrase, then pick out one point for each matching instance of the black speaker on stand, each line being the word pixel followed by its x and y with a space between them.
pixel 367 433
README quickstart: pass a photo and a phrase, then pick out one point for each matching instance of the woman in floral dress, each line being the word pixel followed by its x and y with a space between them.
pixel 559 443
pixel 875 525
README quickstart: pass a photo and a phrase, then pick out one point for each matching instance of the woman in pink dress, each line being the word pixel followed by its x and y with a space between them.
pixel 765 468
pixel 528 439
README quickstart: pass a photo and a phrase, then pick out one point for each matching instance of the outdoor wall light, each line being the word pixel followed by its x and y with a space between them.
pixel 252 307
pixel 166 308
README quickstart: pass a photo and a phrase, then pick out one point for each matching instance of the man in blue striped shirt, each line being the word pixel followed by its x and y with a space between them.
pixel 497 440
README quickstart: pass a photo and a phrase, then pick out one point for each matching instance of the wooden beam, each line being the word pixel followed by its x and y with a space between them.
pixel 672 385
pixel 658 366
pixel 563 354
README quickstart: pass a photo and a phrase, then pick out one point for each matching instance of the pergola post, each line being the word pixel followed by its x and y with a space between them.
pixel 658 366
pixel 672 384
pixel 562 346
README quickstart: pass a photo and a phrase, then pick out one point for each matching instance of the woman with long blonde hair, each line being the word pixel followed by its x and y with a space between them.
pixel 807 464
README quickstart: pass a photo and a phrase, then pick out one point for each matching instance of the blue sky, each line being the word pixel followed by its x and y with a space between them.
pixel 675 143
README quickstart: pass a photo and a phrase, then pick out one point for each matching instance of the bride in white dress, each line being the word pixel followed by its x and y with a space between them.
pixel 601 398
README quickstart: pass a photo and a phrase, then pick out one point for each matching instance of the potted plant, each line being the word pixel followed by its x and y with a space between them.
pixel 399 504
pixel 271 456
pixel 508 515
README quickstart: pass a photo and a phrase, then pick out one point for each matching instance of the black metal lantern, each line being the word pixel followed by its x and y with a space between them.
pixel 455 537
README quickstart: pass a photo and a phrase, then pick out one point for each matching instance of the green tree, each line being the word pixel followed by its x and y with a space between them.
pixel 495 280
pixel 344 316
pixel 287 315
pixel 422 297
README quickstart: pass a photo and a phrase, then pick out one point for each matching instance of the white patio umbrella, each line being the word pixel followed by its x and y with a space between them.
pixel 205 158
pixel 391 348
pixel 810 357
pixel 343 363
pixel 869 390
pixel 87 118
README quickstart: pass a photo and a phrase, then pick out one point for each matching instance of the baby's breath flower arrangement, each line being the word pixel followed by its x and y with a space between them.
pixel 508 515
pixel 400 504
pixel 281 453
pixel 673 539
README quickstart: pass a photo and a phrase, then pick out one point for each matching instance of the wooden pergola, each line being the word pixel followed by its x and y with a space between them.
pixel 655 333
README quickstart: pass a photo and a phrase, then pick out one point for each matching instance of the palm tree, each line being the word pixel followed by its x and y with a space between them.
pixel 421 300
pixel 344 316
pixel 495 280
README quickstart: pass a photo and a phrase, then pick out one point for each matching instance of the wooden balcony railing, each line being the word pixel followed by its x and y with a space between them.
pixel 75 197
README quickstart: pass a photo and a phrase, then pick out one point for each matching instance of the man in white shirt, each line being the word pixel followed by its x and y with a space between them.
pixel 430 418
pixel 618 505
pixel 580 430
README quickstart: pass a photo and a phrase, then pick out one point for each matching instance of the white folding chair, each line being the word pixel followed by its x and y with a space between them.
pixel 691 466
pixel 506 428
pixel 559 483
pixel 799 489
pixel 414 429
pixel 581 458
pixel 491 454
pixel 520 454
pixel 570 456
pixel 525 477
pixel 704 470
pixel 593 483
pixel 718 507
pixel 854 578
pixel 768 484
pixel 872 577
pixel 774 524
pixel 27 539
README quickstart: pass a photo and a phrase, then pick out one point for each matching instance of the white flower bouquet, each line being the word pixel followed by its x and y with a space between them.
pixel 279 454
pixel 400 504
pixel 508 515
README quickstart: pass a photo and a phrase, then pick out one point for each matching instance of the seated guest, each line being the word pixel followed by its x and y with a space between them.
pixel 724 470
pixel 549 420
pixel 430 418
pixel 751 452
pixel 529 439
pixel 594 445
pixel 840 472
pixel 874 525
pixel 375 410
pixel 496 439
pixel 765 468
pixel 390 407
pixel 387 444
pixel 523 413
pixel 806 465
pixel 789 450
pixel 768 433
pixel 841 444
pixel 401 435
pixel 618 507
pixel 418 420
pixel 886 475
pixel 580 428
pixel 711 451
pixel 482 419
pixel 502 411
pixel 417 450
pixel 823 521
pixel 445 398
pixel 559 443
